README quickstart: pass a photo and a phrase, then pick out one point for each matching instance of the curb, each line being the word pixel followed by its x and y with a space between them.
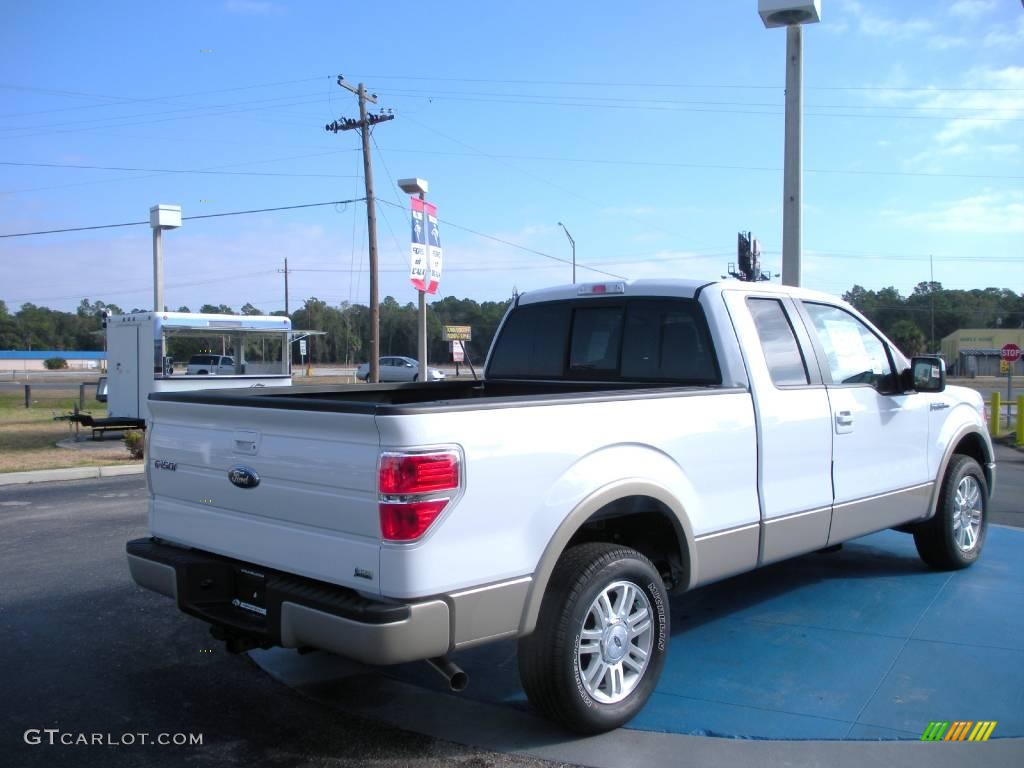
pixel 71 473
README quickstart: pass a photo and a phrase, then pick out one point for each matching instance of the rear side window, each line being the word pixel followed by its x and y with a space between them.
pixel 633 340
pixel 203 360
pixel 781 351
pixel 532 342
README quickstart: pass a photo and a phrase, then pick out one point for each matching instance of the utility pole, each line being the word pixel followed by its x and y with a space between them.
pixel 363 124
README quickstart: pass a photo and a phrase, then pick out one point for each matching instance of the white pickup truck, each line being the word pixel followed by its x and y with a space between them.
pixel 628 441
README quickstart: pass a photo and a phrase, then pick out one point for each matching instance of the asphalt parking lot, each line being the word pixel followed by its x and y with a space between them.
pixel 86 652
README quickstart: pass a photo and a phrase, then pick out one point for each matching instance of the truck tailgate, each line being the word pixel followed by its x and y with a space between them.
pixel 313 510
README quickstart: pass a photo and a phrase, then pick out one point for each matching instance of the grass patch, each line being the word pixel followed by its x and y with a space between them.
pixel 28 436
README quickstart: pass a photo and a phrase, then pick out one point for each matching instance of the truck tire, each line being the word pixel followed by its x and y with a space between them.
pixel 953 537
pixel 601 638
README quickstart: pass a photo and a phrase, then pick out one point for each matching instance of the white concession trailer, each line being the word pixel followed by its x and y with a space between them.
pixel 150 352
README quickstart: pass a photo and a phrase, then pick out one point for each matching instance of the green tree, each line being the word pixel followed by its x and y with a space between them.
pixel 908 337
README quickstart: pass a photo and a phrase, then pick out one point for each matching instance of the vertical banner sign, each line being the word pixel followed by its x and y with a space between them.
pixel 433 247
pixel 418 267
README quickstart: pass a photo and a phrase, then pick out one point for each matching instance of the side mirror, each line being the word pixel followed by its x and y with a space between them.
pixel 927 374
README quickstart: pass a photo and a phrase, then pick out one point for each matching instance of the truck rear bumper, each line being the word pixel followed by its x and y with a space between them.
pixel 272 608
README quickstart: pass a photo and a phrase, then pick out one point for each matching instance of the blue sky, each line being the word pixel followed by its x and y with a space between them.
pixel 654 132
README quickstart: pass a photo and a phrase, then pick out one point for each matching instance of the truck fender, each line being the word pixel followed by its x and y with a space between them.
pixel 613 491
pixel 951 436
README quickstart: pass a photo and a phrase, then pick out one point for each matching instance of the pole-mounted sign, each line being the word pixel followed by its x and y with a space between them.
pixel 433 247
pixel 418 267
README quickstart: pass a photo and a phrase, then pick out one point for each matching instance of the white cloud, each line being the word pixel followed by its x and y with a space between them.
pixel 985 100
pixel 873 24
pixel 990 213
pixel 971 9
pixel 1009 37
pixel 931 159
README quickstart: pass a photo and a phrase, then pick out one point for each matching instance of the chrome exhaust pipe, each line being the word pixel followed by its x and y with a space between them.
pixel 450 671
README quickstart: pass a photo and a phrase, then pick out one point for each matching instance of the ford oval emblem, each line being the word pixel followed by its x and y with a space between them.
pixel 243 477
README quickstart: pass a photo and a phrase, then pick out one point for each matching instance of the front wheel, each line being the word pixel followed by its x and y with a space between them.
pixel 601 638
pixel 953 538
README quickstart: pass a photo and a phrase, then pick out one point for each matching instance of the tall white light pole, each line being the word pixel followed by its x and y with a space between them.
pixel 161 217
pixel 419 187
pixel 792 15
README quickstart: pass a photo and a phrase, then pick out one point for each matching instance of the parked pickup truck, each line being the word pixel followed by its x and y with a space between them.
pixel 628 441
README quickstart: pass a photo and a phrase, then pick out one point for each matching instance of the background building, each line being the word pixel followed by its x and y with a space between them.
pixel 975 351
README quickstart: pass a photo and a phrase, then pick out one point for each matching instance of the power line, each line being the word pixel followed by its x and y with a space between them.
pixel 185 218
pixel 121 179
pixel 178 110
pixel 121 100
pixel 514 245
pixel 707 166
pixel 175 170
pixel 129 291
pixel 776 112
pixel 726 86
pixel 430 95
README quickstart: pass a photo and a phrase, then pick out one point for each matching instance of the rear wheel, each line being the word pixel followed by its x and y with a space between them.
pixel 601 637
pixel 953 538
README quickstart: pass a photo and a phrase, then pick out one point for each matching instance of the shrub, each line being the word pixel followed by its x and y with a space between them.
pixel 135 442
pixel 55 363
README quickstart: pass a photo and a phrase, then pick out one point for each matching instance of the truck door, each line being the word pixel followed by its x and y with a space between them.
pixel 794 426
pixel 880 435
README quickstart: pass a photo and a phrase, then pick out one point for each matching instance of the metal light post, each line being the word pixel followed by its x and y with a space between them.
pixel 573 243
pixel 161 217
pixel 417 186
pixel 791 14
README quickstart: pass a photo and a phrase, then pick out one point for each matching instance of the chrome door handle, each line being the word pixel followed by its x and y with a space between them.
pixel 844 418
pixel 938 406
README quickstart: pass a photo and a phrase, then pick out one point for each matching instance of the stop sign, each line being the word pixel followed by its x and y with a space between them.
pixel 1010 353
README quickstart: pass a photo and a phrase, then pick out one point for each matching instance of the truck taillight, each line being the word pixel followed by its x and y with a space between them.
pixel 409 484
pixel 418 472
pixel 406 521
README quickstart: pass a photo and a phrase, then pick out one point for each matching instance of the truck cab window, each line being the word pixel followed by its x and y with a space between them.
pixel 854 354
pixel 778 342
pixel 532 342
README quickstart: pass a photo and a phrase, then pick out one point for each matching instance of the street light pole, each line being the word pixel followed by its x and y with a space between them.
pixel 573 244
pixel 161 217
pixel 419 187
pixel 421 332
pixel 792 14
pixel 792 181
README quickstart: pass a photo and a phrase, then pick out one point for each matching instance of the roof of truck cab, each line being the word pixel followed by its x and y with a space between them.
pixel 681 288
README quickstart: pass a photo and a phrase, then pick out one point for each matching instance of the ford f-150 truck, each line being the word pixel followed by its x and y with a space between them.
pixel 628 441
